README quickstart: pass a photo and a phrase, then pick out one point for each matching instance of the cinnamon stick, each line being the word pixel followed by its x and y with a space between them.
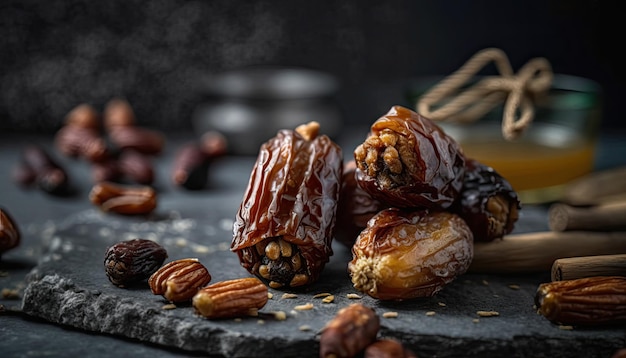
pixel 595 188
pixel 536 252
pixel 571 268
pixel 603 217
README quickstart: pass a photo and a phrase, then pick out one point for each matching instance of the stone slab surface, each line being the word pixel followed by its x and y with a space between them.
pixel 68 286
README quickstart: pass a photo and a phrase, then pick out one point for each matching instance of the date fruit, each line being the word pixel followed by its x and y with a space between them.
pixel 284 226
pixel 39 168
pixel 487 202
pixel 596 300
pixel 387 348
pixel 354 209
pixel 9 232
pixel 231 298
pixel 408 254
pixel 80 137
pixel 180 280
pixel 123 199
pixel 351 330
pixel 407 161
pixel 132 261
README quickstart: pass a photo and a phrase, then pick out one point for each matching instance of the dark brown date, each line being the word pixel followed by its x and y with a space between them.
pixel 408 254
pixel 131 261
pixel 388 348
pixel 84 116
pixel 79 142
pixel 9 232
pixel 284 226
pixel 351 330
pixel 39 168
pixel 118 113
pixel 354 209
pixel 143 140
pixel 487 202
pixel 136 167
pixel 407 161
pixel 191 167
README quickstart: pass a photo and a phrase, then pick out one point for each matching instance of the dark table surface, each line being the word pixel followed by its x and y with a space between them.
pixel 35 212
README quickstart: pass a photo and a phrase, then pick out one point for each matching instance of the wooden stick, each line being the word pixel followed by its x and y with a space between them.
pixel 604 217
pixel 595 188
pixel 536 252
pixel 571 268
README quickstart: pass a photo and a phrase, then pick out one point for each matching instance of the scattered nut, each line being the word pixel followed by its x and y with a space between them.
pixel 289 295
pixel 179 281
pixel 390 314
pixel 328 299
pixel 123 199
pixel 487 313
pixel 305 307
pixel 231 298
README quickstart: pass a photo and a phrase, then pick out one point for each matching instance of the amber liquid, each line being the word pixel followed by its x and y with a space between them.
pixel 538 165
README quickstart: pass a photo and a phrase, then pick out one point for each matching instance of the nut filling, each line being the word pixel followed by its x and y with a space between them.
pixel 389 157
pixel 278 262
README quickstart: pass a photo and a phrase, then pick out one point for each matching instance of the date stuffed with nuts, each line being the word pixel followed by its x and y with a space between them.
pixel 408 254
pixel 407 161
pixel 351 330
pixel 487 202
pixel 284 226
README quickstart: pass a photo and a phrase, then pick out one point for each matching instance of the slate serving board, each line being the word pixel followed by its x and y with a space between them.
pixel 68 286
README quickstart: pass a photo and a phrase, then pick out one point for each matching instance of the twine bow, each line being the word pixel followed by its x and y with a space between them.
pixel 516 90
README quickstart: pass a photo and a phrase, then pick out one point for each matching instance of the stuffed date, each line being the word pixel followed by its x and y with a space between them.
pixel 487 202
pixel 285 224
pixel 408 254
pixel 407 161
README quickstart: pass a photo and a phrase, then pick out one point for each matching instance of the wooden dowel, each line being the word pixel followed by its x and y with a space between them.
pixel 596 188
pixel 536 252
pixel 571 268
pixel 604 217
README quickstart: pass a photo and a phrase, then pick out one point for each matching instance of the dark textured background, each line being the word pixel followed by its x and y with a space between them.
pixel 57 54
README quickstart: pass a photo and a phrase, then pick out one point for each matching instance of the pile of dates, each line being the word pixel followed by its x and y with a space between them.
pixel 410 206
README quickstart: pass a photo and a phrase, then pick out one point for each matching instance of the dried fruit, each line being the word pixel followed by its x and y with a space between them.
pixel 180 280
pixel 387 348
pixel 408 254
pixel 407 161
pixel 354 209
pixel 191 167
pixel 118 113
pixel 351 330
pixel 136 166
pixel 80 136
pixel 38 167
pixel 586 301
pixel 487 202
pixel 231 298
pixel 123 199
pixel 284 226
pixel 131 261
pixel 9 232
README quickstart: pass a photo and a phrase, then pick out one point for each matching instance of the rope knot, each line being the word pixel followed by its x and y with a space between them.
pixel 515 90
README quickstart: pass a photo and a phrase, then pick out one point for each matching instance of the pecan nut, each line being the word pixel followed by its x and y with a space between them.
pixel 180 280
pixel 123 199
pixel 585 301
pixel 9 232
pixel 132 261
pixel 351 330
pixel 231 298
